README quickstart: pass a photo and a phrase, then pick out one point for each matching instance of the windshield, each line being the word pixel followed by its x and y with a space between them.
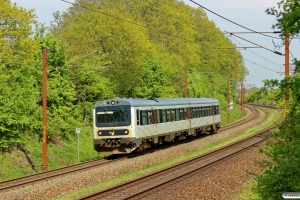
pixel 113 116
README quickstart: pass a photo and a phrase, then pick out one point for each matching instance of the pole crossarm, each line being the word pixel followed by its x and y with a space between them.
pixel 256 44
pixel 236 47
pixel 275 32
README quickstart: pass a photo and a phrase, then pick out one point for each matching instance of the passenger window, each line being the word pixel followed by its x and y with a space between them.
pixel 157 118
pixel 144 117
pixel 194 113
pixel 177 114
pixel 164 117
pixel 137 117
pixel 168 115
pixel 173 115
pixel 149 117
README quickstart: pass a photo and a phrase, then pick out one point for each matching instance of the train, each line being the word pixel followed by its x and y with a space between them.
pixel 127 125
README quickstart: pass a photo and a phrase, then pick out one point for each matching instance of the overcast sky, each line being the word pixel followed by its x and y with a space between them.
pixel 250 14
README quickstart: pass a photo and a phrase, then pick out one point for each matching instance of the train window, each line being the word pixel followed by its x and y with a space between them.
pixel 144 117
pixel 137 117
pixel 173 115
pixel 181 114
pixel 157 118
pixel 168 115
pixel 185 113
pixel 199 112
pixel 149 117
pixel 195 112
pixel 164 117
pixel 177 114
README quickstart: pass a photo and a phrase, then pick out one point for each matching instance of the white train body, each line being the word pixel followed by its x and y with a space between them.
pixel 121 126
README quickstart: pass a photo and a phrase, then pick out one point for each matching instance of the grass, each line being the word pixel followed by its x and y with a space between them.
pixel 146 169
pixel 235 114
pixel 16 164
pixel 246 191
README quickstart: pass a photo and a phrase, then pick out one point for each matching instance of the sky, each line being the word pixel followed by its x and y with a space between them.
pixel 250 14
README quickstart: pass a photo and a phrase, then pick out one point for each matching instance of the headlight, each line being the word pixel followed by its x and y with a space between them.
pixel 99 133
pixel 126 132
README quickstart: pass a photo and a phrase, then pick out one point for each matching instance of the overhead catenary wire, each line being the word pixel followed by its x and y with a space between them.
pixel 233 21
pixel 264 59
pixel 256 44
pixel 259 55
pixel 261 66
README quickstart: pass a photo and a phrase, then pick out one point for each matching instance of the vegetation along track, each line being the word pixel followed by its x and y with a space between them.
pixel 16 183
pixel 145 186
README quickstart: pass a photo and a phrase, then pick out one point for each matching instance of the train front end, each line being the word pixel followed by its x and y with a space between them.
pixel 112 127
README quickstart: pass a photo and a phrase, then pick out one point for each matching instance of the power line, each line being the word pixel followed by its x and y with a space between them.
pixel 257 44
pixel 292 55
pixel 259 55
pixel 261 65
pixel 262 58
pixel 233 21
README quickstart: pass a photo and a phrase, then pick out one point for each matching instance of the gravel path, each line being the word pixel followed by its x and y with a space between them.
pixel 78 180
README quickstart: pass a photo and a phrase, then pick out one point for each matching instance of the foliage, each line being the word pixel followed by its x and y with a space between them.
pixel 18 92
pixel 127 48
pixel 288 16
pixel 183 36
pixel 281 171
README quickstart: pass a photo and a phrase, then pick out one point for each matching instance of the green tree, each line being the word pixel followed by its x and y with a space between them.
pixel 281 171
pixel 18 88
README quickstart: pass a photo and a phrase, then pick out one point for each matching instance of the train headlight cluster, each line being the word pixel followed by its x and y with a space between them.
pixel 99 133
pixel 126 132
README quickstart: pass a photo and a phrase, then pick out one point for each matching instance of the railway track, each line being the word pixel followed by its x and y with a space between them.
pixel 6 185
pixel 254 113
pixel 17 183
pixel 144 186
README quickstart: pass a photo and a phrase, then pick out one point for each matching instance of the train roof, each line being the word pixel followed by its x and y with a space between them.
pixel 155 101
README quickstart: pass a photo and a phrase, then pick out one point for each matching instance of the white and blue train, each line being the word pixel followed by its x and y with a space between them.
pixel 122 126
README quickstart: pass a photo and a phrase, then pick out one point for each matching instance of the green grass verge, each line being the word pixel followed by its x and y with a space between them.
pixel 246 192
pixel 146 169
pixel 17 163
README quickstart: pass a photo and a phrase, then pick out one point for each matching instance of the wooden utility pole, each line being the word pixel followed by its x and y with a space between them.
pixel 241 96
pixel 287 69
pixel 228 101
pixel 185 95
pixel 44 166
